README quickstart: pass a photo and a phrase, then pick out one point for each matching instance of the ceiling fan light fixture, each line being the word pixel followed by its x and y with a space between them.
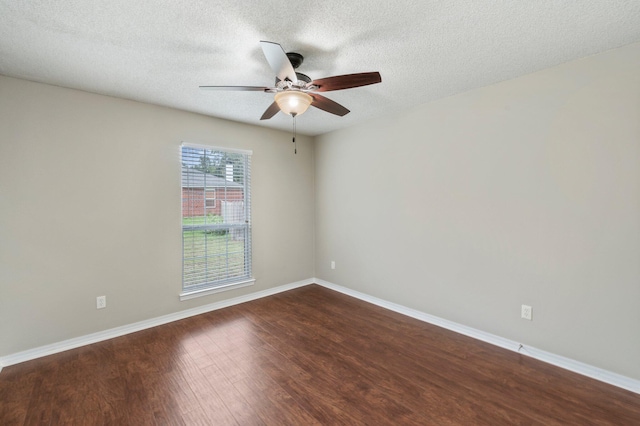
pixel 293 102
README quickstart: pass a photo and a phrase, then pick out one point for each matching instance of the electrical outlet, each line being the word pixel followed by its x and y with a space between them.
pixel 101 302
pixel 333 264
pixel 526 312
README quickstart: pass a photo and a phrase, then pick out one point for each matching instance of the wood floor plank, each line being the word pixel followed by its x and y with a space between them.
pixel 309 356
pixel 211 407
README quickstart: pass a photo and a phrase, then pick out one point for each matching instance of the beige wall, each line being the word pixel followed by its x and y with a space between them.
pixel 525 192
pixel 90 205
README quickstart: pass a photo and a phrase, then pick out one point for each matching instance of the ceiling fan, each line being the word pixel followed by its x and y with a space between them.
pixel 294 91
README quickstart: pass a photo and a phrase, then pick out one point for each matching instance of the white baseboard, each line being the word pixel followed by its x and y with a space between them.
pixel 141 325
pixel 557 360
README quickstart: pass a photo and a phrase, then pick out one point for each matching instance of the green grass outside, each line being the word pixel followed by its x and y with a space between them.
pixel 202 220
pixel 211 256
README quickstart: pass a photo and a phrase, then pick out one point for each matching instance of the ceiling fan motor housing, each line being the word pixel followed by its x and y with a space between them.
pixel 303 77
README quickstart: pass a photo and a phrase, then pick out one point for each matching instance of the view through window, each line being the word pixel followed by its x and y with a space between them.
pixel 216 231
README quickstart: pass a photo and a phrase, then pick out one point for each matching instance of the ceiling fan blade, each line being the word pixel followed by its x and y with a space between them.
pixel 346 81
pixel 328 105
pixel 279 61
pixel 270 112
pixel 238 88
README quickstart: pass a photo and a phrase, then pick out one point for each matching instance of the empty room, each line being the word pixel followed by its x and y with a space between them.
pixel 319 213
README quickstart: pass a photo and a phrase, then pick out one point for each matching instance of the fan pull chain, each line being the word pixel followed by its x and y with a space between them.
pixel 295 145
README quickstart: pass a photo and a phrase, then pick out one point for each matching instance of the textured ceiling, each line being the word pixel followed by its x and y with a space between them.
pixel 160 51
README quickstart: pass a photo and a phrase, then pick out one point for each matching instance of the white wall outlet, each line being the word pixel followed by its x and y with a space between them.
pixel 101 302
pixel 333 264
pixel 526 312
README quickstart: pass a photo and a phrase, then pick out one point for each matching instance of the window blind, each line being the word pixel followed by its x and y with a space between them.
pixel 216 220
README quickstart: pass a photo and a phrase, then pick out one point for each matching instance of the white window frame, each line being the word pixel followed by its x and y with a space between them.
pixel 229 283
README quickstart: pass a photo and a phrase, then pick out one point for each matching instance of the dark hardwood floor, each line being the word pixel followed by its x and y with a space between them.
pixel 305 357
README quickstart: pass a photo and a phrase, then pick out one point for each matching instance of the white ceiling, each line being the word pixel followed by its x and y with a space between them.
pixel 160 51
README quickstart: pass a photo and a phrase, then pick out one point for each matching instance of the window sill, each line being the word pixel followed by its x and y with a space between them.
pixel 207 291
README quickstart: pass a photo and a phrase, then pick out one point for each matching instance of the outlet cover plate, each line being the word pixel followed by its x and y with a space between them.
pixel 526 312
pixel 101 302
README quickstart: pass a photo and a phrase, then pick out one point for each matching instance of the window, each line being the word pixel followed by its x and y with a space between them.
pixel 216 221
pixel 210 199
